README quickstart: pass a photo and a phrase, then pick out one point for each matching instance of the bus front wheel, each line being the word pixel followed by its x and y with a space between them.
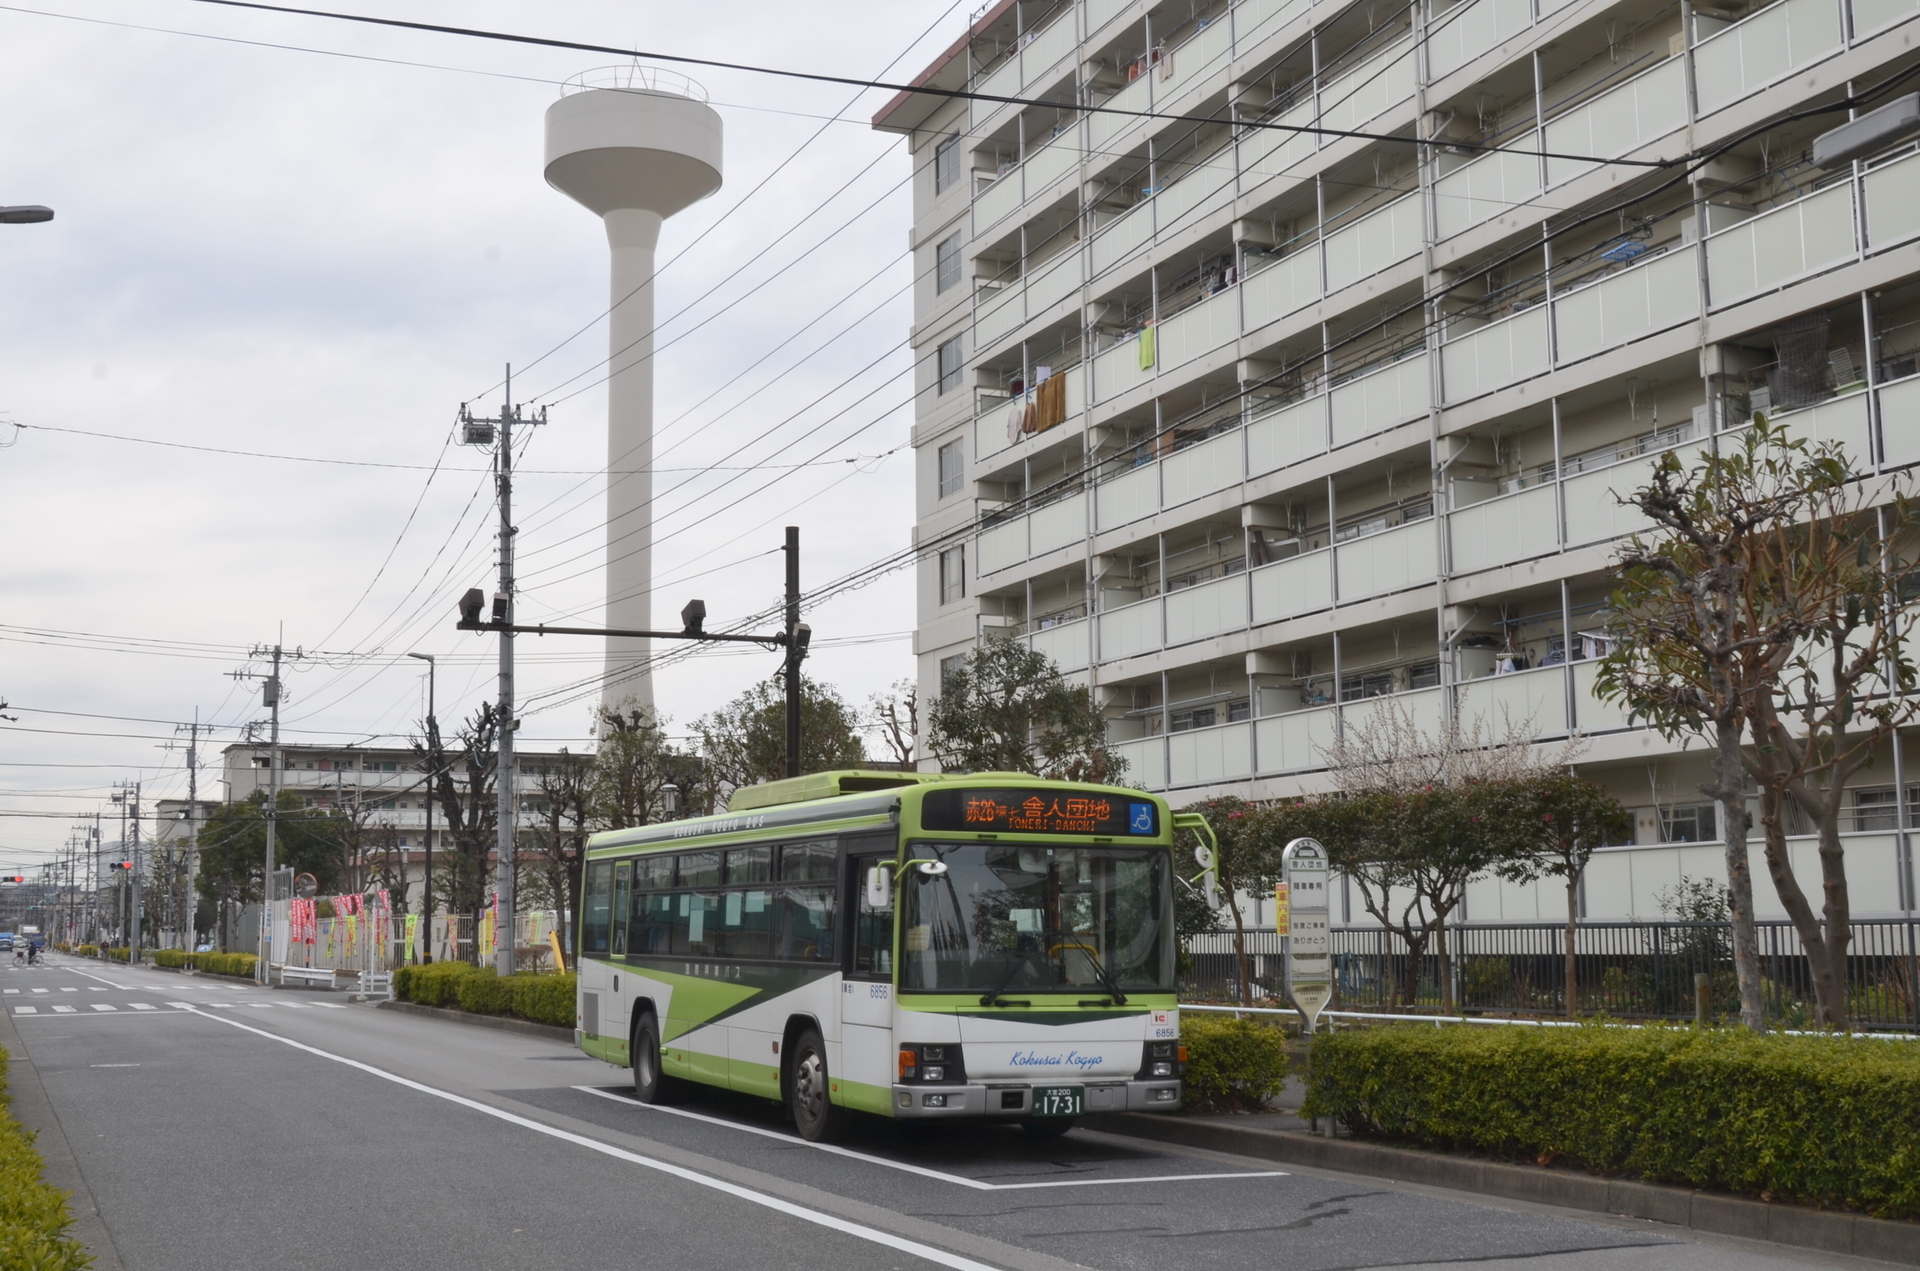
pixel 809 1092
pixel 650 1082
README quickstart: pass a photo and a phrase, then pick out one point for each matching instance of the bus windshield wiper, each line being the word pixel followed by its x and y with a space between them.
pixel 992 995
pixel 1099 969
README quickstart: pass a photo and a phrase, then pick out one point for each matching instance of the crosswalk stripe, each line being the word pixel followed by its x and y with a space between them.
pixel 144 1006
pixel 70 989
pixel 26 1010
pixel 43 990
pixel 105 1006
pixel 12 990
pixel 66 1010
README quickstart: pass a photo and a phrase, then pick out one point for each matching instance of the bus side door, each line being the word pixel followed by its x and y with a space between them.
pixel 866 994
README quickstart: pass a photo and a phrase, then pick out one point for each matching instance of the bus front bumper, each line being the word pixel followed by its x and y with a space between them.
pixel 1000 1099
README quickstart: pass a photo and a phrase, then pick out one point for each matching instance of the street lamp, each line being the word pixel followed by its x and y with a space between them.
pixel 25 214
pixel 433 759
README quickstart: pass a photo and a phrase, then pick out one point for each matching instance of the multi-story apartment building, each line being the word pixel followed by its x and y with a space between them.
pixel 1277 355
pixel 383 785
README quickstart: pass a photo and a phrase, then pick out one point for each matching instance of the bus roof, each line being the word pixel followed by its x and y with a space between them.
pixel 850 795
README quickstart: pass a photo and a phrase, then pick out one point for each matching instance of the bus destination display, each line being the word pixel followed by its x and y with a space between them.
pixel 1038 812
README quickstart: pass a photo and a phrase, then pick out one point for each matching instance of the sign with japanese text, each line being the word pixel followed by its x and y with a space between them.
pixel 1039 812
pixel 1308 929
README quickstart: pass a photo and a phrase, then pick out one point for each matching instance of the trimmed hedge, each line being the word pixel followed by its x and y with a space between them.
pixel 237 964
pixel 33 1215
pixel 544 999
pixel 1832 1121
pixel 1232 1064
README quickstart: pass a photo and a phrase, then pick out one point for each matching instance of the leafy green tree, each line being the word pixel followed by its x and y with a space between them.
pixel 233 849
pixel 1761 614
pixel 1006 708
pixel 745 742
pixel 1242 863
pixel 1574 817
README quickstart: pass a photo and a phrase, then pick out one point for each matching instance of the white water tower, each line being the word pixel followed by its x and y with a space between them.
pixel 633 144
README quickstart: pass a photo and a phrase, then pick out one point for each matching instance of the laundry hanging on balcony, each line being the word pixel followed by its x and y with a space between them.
pixel 1146 347
pixel 1050 403
pixel 1020 415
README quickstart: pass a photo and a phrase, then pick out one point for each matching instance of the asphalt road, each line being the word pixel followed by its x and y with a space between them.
pixel 222 1126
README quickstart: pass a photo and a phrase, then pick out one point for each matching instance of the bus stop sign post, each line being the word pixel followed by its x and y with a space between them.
pixel 1308 944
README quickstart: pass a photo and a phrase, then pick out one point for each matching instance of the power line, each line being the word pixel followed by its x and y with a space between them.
pixel 927 90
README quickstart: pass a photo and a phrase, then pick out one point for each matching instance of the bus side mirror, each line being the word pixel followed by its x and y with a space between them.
pixel 879 887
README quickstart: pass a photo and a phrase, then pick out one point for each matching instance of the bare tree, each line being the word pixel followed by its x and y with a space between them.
pixel 462 787
pixel 896 714
pixel 560 842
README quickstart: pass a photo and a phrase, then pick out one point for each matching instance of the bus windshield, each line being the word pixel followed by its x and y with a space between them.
pixel 1037 918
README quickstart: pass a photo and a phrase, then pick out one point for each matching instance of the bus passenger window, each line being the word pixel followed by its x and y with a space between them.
pixel 596 909
pixel 622 891
pixel 697 931
pixel 872 927
pixel 652 930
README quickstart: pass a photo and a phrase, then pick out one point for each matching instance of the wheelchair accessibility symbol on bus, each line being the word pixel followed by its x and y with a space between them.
pixel 1141 818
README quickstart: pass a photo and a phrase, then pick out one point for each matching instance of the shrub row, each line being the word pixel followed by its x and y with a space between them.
pixel 33 1216
pixel 87 950
pixel 1832 1121
pixel 544 999
pixel 1233 1065
pixel 240 964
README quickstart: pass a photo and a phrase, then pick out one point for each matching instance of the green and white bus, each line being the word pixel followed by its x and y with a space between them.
pixel 904 944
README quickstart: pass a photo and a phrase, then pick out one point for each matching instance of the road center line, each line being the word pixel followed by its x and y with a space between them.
pixel 960 1179
pixel 818 1218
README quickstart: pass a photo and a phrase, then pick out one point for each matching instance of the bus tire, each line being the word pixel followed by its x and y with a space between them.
pixel 810 1092
pixel 1044 1128
pixel 651 1084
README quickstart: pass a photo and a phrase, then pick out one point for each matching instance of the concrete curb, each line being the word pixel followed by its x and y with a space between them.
pixel 33 1109
pixel 504 1023
pixel 1828 1230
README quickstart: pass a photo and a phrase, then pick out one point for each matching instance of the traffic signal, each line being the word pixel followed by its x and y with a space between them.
pixel 122 865
pixel 16 878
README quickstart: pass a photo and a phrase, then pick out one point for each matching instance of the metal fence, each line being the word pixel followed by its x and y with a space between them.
pixel 1626 970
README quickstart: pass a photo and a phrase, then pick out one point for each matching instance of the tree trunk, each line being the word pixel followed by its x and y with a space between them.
pixel 1573 961
pixel 1729 789
pixel 1240 952
pixel 1825 944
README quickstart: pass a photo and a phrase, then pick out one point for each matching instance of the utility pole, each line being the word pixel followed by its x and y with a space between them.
pixel 270 697
pixel 433 770
pixel 187 905
pixel 474 430
pixel 127 795
pixel 795 650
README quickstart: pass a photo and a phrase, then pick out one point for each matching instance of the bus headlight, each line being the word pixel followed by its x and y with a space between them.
pixel 1163 1069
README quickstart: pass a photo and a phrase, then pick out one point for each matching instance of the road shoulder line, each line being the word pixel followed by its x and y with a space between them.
pixel 848 1216
pixel 33 1109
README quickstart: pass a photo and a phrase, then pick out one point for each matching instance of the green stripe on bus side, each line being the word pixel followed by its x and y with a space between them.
pixel 700 1000
pixel 862 1097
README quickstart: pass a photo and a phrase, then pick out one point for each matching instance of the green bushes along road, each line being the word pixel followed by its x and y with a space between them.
pixel 1832 1121
pixel 544 999
pixel 33 1216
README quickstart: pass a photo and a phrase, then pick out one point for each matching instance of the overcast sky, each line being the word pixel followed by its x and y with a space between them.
pixel 288 252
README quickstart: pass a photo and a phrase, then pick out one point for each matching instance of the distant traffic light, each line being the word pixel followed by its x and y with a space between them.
pixel 16 878
pixel 122 865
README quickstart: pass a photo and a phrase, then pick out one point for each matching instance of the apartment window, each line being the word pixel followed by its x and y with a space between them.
pixel 949 364
pixel 953 467
pixel 953 575
pixel 946 262
pixel 1690 823
pixel 949 667
pixel 1876 810
pixel 946 164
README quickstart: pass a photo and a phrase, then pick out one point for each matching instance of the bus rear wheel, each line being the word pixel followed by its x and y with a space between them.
pixel 810 1092
pixel 651 1084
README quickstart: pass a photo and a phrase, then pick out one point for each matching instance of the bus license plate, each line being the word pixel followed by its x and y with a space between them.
pixel 1060 1101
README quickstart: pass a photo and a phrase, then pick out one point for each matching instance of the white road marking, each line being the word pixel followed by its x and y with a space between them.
pixel 113 1065
pixel 67 1010
pixel 832 1222
pixel 43 990
pixel 69 989
pixel 144 1006
pixel 94 988
pixel 10 990
pixel 26 1010
pixel 922 1170
pixel 105 1006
